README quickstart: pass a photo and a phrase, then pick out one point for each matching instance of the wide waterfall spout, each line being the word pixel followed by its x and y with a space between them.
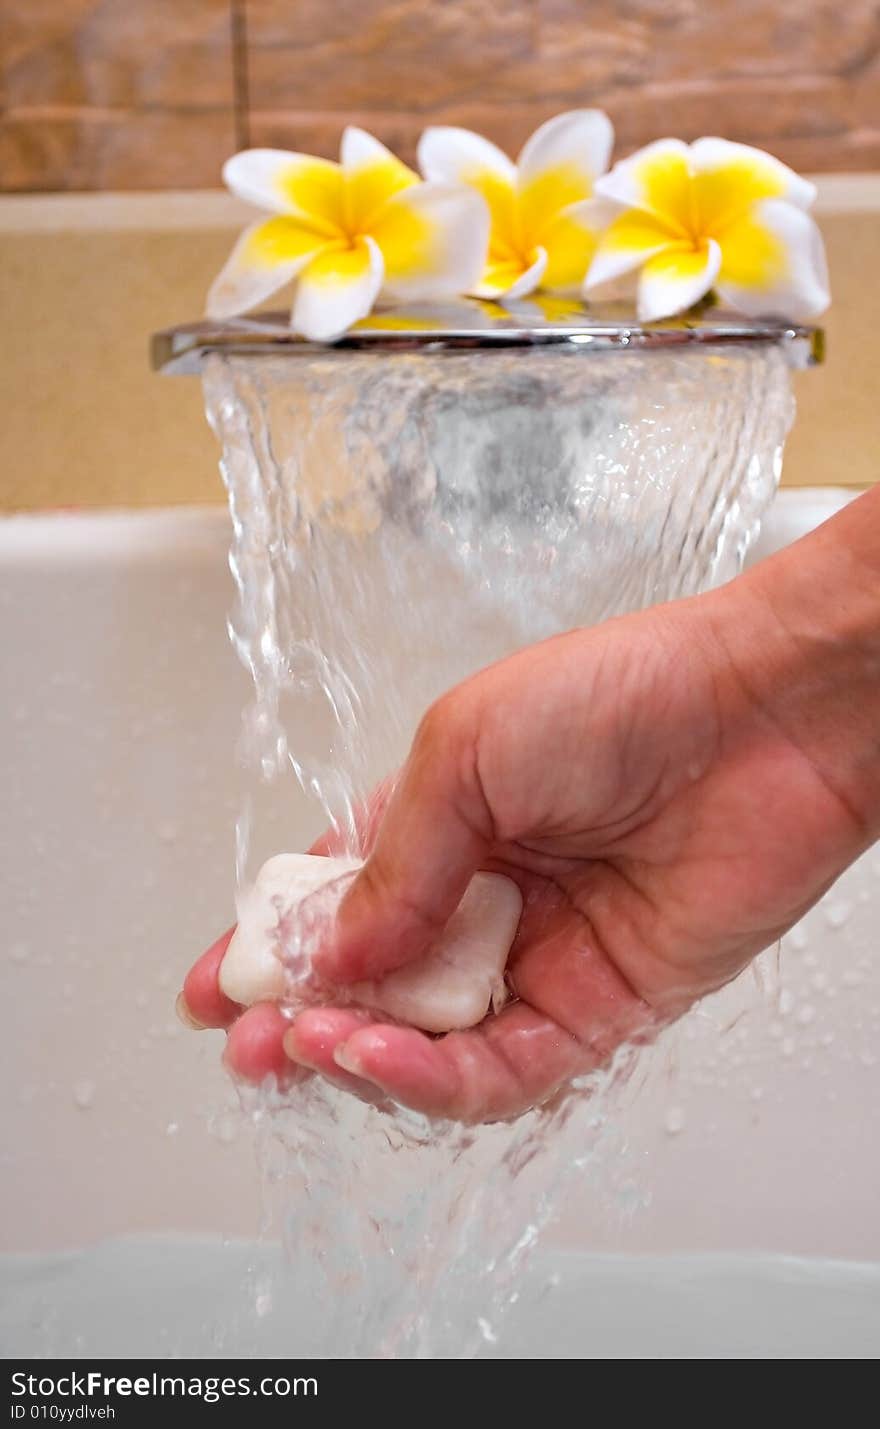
pixel 402 520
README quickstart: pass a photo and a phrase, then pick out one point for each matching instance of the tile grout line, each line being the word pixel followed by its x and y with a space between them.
pixel 239 56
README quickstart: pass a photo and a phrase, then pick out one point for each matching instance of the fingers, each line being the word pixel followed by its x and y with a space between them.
pixel 313 1037
pixel 576 1009
pixel 255 1046
pixel 202 1004
pixel 508 1064
pixel 263 1043
pixel 434 833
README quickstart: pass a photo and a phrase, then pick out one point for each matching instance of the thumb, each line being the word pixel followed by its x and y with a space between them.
pixel 436 830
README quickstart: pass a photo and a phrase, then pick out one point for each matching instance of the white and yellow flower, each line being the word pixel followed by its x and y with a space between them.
pixel 543 230
pixel 347 234
pixel 711 215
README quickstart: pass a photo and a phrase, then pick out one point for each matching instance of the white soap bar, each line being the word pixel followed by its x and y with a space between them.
pixel 450 988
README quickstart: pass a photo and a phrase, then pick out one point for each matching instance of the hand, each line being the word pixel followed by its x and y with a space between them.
pixel 671 791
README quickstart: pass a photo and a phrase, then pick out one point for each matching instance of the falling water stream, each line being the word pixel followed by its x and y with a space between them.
pixel 399 523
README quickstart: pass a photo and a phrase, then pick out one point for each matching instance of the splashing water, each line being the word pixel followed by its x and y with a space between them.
pixel 399 523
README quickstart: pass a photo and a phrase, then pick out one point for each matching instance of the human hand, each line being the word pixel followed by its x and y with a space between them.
pixel 671 791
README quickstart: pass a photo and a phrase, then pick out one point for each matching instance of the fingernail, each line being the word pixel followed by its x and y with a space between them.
pixel 186 1016
pixel 348 1060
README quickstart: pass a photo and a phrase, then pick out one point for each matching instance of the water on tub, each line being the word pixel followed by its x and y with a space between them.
pixel 383 1233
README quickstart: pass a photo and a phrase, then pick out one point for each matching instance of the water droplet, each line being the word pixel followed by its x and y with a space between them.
pixel 868 1058
pixel 84 1093
pixel 787 1046
pixel 785 1002
pixel 172 1128
pixel 851 978
pixel 797 936
pixel 19 953
pixel 167 832
pixel 674 1120
pixel 836 914
pixel 805 1015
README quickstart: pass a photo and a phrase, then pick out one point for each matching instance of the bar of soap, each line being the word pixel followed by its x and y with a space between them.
pixel 450 988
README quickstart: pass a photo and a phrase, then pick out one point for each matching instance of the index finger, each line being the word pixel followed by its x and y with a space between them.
pixel 202 1003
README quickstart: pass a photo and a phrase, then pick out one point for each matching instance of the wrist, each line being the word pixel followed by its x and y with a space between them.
pixel 801 633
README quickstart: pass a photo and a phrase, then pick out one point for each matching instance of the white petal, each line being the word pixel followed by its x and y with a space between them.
pixel 337 290
pixel 673 281
pixel 582 138
pixel 448 155
pixel 708 155
pixel 245 281
pixel 358 148
pixel 630 240
pixel 433 239
pixel 625 183
pixel 284 182
pixel 799 290
pixel 598 213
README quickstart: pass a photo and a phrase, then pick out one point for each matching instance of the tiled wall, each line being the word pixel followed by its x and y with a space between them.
pixel 140 94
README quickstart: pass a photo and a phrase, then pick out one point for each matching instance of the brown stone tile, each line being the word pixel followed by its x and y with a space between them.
pixel 384 54
pixel 115 94
pixel 801 77
pixel 117 53
pixel 667 40
pixel 638 118
pixel 114 149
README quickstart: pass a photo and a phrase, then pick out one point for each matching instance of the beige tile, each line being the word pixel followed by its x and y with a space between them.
pixel 85 421
pixel 85 280
pixel 835 437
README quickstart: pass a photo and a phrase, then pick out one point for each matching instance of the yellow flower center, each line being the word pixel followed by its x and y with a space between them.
pixel 344 205
pixel 696 207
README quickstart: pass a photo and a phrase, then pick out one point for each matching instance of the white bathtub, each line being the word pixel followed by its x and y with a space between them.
pixel 117 726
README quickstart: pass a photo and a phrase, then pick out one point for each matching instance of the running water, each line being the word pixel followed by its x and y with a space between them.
pixel 399 523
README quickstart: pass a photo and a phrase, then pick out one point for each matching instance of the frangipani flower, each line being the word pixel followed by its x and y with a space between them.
pixel 348 233
pixel 711 215
pixel 543 228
